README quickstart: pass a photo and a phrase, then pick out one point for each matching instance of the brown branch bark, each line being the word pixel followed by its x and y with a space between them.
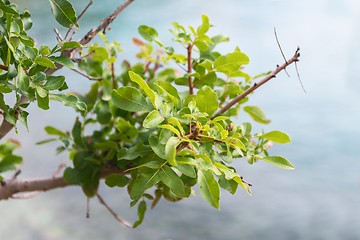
pixel 255 86
pixel 3 67
pixel 12 186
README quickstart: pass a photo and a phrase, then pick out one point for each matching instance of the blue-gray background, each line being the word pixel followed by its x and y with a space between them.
pixel 319 200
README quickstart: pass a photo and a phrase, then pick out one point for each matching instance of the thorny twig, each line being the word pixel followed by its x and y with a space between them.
pixel 268 77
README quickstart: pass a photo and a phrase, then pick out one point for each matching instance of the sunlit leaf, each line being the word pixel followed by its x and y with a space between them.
pixel 64 12
pixel 153 119
pixel 207 100
pixel 256 113
pixel 130 99
pixel 277 136
pixel 209 188
pixel 279 161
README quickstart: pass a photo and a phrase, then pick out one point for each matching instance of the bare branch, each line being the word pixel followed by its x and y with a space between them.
pixel 273 74
pixel 86 75
pixel 282 53
pixel 116 216
pixel 106 22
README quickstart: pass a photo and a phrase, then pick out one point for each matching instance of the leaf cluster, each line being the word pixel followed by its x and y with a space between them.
pixel 149 126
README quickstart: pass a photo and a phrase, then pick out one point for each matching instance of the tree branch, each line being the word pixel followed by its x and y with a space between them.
pixel 3 67
pixel 273 74
pixel 12 186
pixel 5 126
pixel 106 22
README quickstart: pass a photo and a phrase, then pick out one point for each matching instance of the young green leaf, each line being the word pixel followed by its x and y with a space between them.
pixel 148 33
pixel 65 61
pixel 209 188
pixel 277 136
pixel 64 13
pixel 231 62
pixel 205 25
pixel 116 180
pixel 279 161
pixel 45 62
pixel 153 119
pixel 70 101
pixel 141 213
pixel 23 79
pixel 173 181
pixel 170 150
pixel 154 98
pixel 130 99
pixel 54 82
pixel 256 113
pixel 207 100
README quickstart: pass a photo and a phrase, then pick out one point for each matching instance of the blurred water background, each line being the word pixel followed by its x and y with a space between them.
pixel 319 200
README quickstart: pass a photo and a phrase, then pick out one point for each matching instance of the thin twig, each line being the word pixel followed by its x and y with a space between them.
pixel 3 67
pixel 86 75
pixel 282 53
pixel 16 174
pixel 58 35
pixel 268 77
pixel 57 173
pixel 298 74
pixel 116 216
pixel 80 15
pixel 106 22
pixel 88 207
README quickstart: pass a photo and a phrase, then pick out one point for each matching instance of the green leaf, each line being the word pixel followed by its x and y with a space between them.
pixel 186 169
pixel 71 45
pixel 279 161
pixel 207 100
pixel 70 101
pixel 45 62
pixel 71 176
pixel 231 62
pixel 153 119
pixel 141 213
pixel 170 150
pixel 209 188
pixel 205 25
pixel 54 82
pixel 53 131
pixel 256 113
pixel 277 136
pixel 64 12
pixel 234 142
pixel 148 33
pixel 173 181
pixel 143 182
pixel 139 150
pixel 116 180
pixel 154 98
pixel 23 79
pixel 42 102
pixel 65 61
pixel 171 128
pixel 130 99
